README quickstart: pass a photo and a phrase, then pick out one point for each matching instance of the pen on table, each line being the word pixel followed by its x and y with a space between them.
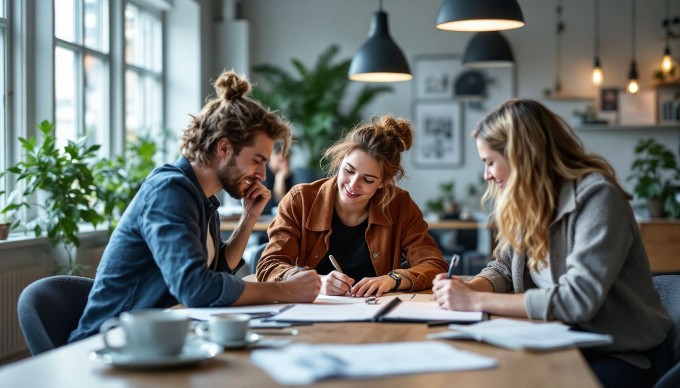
pixel 276 332
pixel 452 266
pixel 335 263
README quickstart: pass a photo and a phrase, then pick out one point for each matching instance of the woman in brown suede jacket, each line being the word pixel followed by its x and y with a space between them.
pixel 359 216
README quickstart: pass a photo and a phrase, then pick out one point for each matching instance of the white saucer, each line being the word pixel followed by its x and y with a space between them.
pixel 193 352
pixel 251 338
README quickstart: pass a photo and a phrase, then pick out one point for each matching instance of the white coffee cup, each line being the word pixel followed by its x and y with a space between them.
pixel 224 328
pixel 149 333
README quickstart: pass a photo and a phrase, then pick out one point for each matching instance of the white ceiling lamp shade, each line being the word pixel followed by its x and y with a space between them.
pixel 479 15
pixel 488 49
pixel 379 59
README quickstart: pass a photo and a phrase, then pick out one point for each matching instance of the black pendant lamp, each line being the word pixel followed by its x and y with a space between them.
pixel 379 59
pixel 479 15
pixel 488 49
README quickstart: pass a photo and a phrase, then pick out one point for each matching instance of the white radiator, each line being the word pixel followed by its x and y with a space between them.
pixel 12 282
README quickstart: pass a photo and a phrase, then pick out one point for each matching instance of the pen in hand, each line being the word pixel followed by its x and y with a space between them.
pixel 452 266
pixel 335 263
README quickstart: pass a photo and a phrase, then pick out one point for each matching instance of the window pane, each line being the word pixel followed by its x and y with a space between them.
pixel 132 34
pixel 65 20
pixel 3 12
pixel 65 95
pixel 96 96
pixel 133 106
pixel 96 25
pixel 3 105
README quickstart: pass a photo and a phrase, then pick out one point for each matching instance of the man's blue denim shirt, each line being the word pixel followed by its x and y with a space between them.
pixel 157 254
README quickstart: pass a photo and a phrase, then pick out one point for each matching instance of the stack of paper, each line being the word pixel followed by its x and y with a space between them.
pixel 307 363
pixel 519 335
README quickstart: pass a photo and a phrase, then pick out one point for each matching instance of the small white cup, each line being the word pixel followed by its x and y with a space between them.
pixel 224 328
pixel 149 333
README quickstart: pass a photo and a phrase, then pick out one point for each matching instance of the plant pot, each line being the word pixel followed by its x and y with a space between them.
pixel 4 231
pixel 655 207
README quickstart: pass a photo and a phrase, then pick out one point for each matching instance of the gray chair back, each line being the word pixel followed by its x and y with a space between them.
pixel 49 310
pixel 668 288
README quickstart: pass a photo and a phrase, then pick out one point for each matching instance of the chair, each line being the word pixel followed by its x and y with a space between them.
pixel 255 257
pixel 50 308
pixel 668 288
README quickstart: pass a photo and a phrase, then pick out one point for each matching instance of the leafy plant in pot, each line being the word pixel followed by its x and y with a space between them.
pixel 316 100
pixel 65 178
pixel 653 171
pixel 8 209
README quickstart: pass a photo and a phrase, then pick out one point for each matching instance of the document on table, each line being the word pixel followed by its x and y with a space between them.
pixel 307 363
pixel 263 310
pixel 524 335
pixel 422 309
pixel 335 309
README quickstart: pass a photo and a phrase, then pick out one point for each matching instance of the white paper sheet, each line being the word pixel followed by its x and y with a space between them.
pixel 306 363
pixel 524 335
pixel 203 313
pixel 427 311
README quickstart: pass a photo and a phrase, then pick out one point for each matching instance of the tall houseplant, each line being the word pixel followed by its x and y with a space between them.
pixel 65 178
pixel 119 179
pixel 315 100
pixel 654 171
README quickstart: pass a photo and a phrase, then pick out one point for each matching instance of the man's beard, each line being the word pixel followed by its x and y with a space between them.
pixel 231 179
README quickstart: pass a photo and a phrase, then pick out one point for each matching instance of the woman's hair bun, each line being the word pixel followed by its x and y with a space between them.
pixel 398 129
pixel 230 85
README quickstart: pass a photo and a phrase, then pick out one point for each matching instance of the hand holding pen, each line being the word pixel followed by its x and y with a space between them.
pixel 336 282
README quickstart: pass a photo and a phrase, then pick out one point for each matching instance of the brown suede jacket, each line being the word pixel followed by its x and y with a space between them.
pixel 302 230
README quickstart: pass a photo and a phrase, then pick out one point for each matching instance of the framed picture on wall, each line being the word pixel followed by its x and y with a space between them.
pixel 438 134
pixel 434 76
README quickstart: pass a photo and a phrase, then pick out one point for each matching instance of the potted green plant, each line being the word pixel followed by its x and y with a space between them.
pixel 445 204
pixel 653 171
pixel 8 209
pixel 65 178
pixel 315 100
pixel 119 179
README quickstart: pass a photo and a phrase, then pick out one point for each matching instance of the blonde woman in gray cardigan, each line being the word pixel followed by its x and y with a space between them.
pixel 568 246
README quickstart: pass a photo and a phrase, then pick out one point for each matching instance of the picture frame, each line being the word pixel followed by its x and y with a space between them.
pixel 439 131
pixel 435 75
pixel 609 99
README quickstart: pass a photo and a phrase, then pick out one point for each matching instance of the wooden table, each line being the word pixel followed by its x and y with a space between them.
pixel 69 366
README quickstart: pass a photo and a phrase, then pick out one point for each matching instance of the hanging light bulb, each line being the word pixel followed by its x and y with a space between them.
pixel 633 86
pixel 598 77
pixel 667 61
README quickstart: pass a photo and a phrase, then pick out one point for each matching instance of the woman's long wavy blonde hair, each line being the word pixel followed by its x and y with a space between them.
pixel 542 152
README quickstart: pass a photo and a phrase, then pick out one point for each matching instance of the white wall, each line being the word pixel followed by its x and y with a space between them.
pixel 280 30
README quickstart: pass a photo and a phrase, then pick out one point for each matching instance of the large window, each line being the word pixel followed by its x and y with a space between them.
pixel 143 73
pixel 4 100
pixel 82 63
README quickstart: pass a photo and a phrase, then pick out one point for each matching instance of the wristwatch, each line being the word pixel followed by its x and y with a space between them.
pixel 397 278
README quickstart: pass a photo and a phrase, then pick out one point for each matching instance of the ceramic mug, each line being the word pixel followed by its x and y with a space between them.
pixel 149 332
pixel 224 328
